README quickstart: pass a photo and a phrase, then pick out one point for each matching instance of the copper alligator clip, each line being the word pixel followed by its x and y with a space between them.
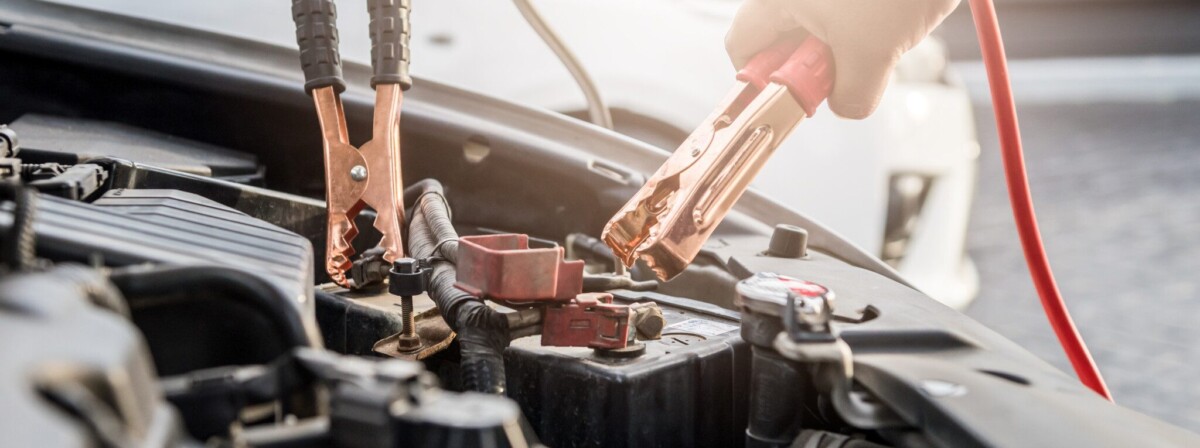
pixel 671 217
pixel 368 176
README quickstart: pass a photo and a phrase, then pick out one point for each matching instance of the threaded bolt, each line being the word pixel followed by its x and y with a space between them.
pixel 407 340
pixel 406 313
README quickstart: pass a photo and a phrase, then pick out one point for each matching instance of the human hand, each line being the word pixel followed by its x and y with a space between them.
pixel 867 38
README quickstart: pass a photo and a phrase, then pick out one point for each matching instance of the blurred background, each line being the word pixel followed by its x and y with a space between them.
pixel 1108 93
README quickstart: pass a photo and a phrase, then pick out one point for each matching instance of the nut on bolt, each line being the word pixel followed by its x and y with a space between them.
pixel 648 320
pixel 407 342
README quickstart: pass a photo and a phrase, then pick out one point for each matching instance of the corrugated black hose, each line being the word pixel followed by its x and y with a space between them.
pixel 482 332
pixel 20 247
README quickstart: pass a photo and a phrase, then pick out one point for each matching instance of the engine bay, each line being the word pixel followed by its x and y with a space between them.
pixel 167 288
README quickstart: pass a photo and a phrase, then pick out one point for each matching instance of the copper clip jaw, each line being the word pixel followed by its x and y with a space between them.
pixel 668 221
pixel 365 177
pixel 368 176
pixel 672 216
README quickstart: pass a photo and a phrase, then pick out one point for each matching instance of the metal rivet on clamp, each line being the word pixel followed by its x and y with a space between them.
pixel 358 173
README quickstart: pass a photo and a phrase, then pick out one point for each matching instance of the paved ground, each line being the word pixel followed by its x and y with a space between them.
pixel 1117 190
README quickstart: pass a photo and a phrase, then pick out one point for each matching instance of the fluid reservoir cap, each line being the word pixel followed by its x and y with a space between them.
pixel 767 292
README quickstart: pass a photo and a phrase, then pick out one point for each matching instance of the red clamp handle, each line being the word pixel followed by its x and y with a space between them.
pixel 804 67
pixel 758 71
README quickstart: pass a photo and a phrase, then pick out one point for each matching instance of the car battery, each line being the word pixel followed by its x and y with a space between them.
pixel 688 388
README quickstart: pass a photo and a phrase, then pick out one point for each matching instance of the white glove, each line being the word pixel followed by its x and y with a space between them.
pixel 867 37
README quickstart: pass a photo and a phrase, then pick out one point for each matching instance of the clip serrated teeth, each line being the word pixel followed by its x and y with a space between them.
pixel 654 266
pixel 339 278
pixel 338 250
pixel 391 242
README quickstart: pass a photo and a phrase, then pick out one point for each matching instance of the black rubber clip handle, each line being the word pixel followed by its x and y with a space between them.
pixel 389 41
pixel 317 35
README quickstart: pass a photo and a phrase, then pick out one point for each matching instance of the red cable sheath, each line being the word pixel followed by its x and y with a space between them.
pixel 994 60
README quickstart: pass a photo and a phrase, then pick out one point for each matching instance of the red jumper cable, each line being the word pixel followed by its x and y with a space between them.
pixel 675 211
pixel 988 28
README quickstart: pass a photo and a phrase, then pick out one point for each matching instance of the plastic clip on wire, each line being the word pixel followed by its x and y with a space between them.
pixel 988 28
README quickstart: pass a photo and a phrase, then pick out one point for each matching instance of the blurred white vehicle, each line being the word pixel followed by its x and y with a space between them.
pixel 899 183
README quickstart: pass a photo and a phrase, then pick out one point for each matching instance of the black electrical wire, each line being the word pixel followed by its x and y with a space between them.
pixel 601 283
pixel 482 331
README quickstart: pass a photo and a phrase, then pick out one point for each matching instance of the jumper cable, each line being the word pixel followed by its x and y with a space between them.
pixel 988 28
pixel 674 213
pixel 367 176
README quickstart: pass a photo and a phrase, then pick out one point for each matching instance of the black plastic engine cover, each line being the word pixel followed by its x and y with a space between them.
pixel 188 226
pixel 681 392
pixel 167 227
pixel 126 227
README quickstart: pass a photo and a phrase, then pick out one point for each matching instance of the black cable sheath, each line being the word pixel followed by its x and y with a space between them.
pixel 601 283
pixel 482 332
pixel 20 248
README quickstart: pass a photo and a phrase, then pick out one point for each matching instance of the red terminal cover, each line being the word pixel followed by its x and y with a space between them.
pixel 503 267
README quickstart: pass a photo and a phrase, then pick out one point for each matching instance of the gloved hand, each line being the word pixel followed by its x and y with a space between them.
pixel 867 37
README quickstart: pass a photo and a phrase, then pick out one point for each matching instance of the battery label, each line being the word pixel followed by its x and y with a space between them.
pixel 701 327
